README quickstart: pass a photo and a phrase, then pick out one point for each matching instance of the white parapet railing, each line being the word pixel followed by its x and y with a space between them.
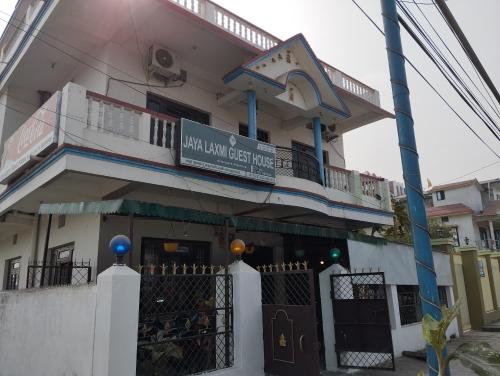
pixel 263 40
pixel 123 119
pixel 338 178
pixel 230 22
pixel 352 85
pixel 369 185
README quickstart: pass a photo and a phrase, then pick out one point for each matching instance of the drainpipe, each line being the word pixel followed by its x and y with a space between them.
pixel 46 251
pixel 319 147
pixel 411 171
pixel 252 114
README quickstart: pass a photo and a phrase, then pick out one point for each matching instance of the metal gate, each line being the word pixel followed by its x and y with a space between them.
pixel 289 323
pixel 362 326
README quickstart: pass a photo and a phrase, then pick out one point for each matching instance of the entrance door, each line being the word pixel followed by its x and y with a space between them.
pixel 361 318
pixel 289 323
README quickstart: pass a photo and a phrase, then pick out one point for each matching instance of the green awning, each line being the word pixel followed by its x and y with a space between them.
pixel 126 207
pixel 145 209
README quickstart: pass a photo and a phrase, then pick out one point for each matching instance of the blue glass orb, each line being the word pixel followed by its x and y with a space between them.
pixel 120 245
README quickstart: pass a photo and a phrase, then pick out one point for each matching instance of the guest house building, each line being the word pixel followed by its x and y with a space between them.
pixel 183 126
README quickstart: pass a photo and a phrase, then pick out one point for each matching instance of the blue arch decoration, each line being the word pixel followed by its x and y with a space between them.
pixel 309 79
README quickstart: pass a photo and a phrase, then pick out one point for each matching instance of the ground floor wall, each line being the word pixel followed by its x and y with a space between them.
pixel 47 332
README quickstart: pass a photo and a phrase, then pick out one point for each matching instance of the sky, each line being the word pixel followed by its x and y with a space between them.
pixel 341 36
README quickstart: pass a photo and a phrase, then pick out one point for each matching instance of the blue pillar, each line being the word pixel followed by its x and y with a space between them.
pixel 252 114
pixel 319 147
pixel 411 171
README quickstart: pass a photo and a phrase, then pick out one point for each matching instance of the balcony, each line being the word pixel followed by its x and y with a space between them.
pixel 488 244
pixel 119 139
pixel 262 40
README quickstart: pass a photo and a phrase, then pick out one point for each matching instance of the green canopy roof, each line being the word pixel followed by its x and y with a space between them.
pixel 172 213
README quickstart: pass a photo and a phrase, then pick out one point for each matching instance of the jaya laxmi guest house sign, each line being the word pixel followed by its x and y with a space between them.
pixel 216 150
pixel 34 138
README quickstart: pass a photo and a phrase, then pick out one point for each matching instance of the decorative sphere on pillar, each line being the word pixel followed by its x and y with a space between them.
pixel 237 247
pixel 120 246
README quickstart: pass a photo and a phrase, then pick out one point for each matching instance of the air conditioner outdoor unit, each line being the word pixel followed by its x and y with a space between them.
pixel 163 64
pixel 328 133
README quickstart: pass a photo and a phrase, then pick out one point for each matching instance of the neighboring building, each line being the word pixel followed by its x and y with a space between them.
pixel 183 126
pixel 397 189
pixel 472 209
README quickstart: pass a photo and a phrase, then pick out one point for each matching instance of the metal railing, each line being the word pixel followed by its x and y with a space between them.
pixel 63 274
pixel 490 244
pixel 185 327
pixel 292 162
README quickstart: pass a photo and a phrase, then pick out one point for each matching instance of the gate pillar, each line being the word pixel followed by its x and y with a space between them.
pixel 117 313
pixel 248 333
pixel 327 314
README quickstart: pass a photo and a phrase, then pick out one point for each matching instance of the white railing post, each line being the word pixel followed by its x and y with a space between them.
pixel 74 113
pixel 116 321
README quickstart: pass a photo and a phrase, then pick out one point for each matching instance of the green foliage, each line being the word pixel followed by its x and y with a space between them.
pixel 480 358
pixel 401 231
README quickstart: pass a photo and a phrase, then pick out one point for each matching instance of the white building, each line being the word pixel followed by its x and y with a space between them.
pixel 472 209
pixel 93 145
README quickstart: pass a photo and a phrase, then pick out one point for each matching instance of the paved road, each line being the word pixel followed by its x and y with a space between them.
pixel 410 367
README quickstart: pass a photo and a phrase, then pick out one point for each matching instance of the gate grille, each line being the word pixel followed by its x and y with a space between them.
pixel 362 325
pixel 287 288
pixel 182 324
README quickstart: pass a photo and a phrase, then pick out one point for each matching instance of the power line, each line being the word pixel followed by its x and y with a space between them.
pixel 490 102
pixel 455 27
pixel 453 77
pixel 472 172
pixel 430 84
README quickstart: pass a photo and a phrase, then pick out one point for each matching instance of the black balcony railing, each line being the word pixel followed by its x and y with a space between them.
pixel 292 162
pixel 68 273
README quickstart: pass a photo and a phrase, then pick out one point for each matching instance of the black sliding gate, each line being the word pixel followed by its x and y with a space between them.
pixel 289 323
pixel 362 326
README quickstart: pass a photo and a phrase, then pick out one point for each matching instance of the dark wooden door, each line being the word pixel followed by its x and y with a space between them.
pixel 289 323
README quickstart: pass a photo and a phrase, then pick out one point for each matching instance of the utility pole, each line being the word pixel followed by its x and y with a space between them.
pixel 411 172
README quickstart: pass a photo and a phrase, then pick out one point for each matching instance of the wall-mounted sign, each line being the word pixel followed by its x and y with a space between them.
pixel 208 148
pixel 31 139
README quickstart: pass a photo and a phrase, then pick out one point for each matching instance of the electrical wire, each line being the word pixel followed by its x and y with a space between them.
pixel 490 102
pixel 430 84
pixel 451 76
pixel 472 172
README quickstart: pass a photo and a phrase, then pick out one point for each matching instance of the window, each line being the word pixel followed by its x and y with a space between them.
pixel 443 296
pixel 13 268
pixel 440 195
pixel 261 134
pixel 445 219
pixel 61 265
pixel 409 304
pixel 175 109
